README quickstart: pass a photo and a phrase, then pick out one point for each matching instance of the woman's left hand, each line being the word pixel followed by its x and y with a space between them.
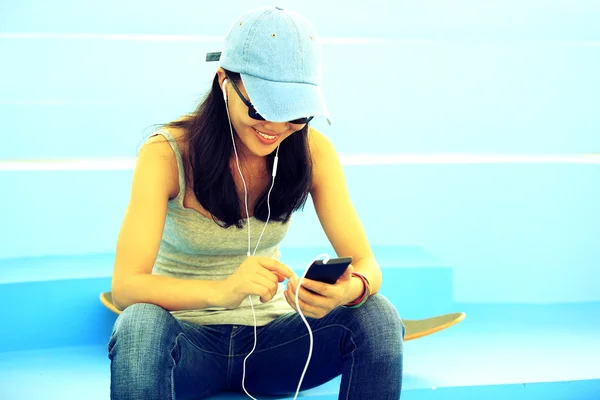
pixel 325 298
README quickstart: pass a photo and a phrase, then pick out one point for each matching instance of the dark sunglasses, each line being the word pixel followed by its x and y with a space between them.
pixel 252 113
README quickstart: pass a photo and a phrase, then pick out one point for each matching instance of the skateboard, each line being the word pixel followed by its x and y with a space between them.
pixel 415 328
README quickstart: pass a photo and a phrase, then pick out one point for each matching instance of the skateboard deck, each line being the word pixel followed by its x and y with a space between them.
pixel 415 328
pixel 106 299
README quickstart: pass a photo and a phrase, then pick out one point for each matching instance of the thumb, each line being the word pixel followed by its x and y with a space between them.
pixel 347 275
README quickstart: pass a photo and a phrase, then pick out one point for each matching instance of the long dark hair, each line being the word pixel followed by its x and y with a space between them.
pixel 210 150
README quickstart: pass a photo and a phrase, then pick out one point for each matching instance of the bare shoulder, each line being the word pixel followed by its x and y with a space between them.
pixel 319 143
pixel 157 154
pixel 324 156
pixel 322 149
pixel 161 141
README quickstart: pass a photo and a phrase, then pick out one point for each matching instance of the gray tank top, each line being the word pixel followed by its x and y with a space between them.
pixel 195 247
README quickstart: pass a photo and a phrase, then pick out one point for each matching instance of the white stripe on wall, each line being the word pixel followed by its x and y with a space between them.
pixel 113 36
pixel 132 37
pixel 184 38
pixel 127 164
pixel 392 159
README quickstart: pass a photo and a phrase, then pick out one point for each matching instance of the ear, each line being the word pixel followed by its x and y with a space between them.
pixel 221 75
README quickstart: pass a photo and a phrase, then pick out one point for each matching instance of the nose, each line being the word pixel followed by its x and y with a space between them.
pixel 276 127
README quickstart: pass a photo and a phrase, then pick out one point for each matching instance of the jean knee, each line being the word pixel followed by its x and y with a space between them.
pixel 141 363
pixel 140 326
pixel 381 324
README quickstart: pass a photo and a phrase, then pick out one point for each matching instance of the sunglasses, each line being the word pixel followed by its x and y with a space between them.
pixel 252 113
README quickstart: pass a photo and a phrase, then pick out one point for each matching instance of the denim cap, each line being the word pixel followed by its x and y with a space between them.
pixel 278 55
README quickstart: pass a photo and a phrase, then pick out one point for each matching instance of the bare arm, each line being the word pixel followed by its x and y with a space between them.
pixel 155 181
pixel 140 236
pixel 338 216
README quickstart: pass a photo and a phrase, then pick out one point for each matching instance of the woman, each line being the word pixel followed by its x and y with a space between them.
pixel 199 241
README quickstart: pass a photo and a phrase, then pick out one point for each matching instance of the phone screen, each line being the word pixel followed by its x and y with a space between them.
pixel 328 272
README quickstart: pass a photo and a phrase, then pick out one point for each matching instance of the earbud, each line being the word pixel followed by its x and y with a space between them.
pixel 275 166
pixel 224 90
pixel 275 162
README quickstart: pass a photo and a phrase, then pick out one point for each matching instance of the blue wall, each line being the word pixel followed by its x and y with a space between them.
pixel 512 77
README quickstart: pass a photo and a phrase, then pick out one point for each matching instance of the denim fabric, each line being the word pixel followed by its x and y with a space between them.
pixel 156 356
pixel 278 54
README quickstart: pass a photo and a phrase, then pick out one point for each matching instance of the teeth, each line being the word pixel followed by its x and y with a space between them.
pixel 266 136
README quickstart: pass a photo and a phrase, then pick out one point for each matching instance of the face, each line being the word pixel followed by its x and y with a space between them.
pixel 256 138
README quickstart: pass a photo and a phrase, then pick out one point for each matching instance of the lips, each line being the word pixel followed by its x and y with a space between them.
pixel 266 138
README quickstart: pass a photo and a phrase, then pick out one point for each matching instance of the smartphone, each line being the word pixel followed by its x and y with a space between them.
pixel 329 272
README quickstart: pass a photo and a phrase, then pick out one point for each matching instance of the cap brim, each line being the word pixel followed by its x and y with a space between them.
pixel 285 101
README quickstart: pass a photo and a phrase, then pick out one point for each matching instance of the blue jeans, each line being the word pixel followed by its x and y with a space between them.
pixel 155 356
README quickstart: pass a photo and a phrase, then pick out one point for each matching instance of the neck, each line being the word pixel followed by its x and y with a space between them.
pixel 250 164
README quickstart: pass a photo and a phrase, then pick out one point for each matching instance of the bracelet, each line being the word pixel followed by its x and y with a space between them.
pixel 365 294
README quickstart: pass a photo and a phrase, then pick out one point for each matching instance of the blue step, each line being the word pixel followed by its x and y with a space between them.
pixel 53 301
pixel 485 357
pixel 61 293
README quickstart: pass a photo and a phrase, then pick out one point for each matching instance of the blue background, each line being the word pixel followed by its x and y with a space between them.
pixel 412 77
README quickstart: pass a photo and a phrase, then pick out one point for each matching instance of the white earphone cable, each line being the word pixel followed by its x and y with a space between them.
pixel 269 197
pixel 250 297
pixel 237 161
pixel 310 334
pixel 247 223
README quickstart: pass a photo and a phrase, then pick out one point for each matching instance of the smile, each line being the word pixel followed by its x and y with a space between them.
pixel 266 139
pixel 270 137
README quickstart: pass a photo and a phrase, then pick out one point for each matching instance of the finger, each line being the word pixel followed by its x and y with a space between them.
pixel 280 278
pixel 264 287
pixel 293 283
pixel 300 307
pixel 276 266
pixel 266 278
pixel 308 297
pixel 308 310
pixel 271 277
pixel 320 288
pixel 263 293
pixel 291 301
pixel 321 297
pixel 291 288
pixel 265 273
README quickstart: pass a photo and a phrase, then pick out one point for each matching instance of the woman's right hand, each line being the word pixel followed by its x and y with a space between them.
pixel 255 276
